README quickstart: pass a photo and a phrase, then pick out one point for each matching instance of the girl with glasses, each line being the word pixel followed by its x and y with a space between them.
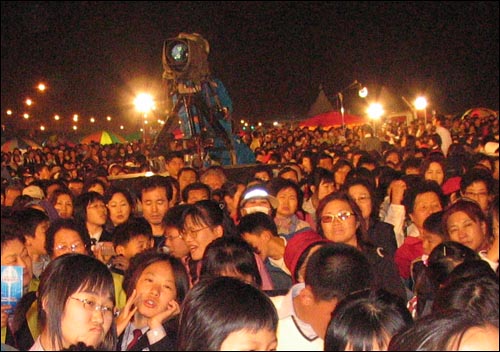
pixel 79 309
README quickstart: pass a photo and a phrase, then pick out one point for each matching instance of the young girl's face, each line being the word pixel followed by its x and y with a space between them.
pixel 198 237
pixel 87 318
pixel 247 340
pixel 136 245
pixel 155 289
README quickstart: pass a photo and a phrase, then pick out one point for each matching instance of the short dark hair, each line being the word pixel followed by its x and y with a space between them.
pixel 92 182
pixel 9 231
pixel 477 175
pixel 196 186
pixel 155 181
pixel 188 169
pixel 262 168
pixel 434 225
pixel 215 308
pixel 469 207
pixel 28 220
pixel 59 224
pixel 134 227
pixel 437 332
pixel 336 270
pixel 81 203
pixel 209 212
pixel 436 138
pixel 112 190
pixel 231 254
pixel 366 319
pixel 411 162
pixel 441 118
pixel 421 187
pixel 55 195
pixel 320 175
pixel 278 184
pixel 287 169
pixel 173 217
pixel 256 223
pixel 172 155
pixel 445 257
pixel 476 293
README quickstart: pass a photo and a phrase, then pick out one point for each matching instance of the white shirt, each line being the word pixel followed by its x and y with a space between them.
pixel 445 139
pixel 294 334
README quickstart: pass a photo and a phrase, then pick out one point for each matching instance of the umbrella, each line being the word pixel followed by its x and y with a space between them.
pixel 18 142
pixel 56 139
pixel 103 137
pixel 479 112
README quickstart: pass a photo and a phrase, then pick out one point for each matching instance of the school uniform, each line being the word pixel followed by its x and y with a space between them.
pixel 163 338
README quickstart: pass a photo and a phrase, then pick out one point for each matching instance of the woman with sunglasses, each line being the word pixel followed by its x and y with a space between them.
pixel 340 220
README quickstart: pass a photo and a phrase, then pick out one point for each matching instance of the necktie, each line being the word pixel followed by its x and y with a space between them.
pixel 137 334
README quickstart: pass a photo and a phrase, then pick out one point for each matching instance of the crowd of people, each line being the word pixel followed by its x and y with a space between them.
pixel 356 239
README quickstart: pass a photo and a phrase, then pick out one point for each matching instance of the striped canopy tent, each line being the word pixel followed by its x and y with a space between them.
pixel 20 143
pixel 103 137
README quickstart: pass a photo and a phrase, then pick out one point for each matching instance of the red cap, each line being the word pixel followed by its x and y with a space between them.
pixel 451 185
pixel 297 245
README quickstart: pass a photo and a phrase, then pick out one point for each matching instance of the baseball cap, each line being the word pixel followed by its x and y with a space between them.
pixel 451 185
pixel 258 192
pixel 34 192
pixel 297 245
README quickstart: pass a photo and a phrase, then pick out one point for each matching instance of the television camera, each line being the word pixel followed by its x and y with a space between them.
pixel 196 103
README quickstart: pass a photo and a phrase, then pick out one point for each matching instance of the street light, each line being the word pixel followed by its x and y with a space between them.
pixel 375 112
pixel 421 104
pixel 362 92
pixel 144 104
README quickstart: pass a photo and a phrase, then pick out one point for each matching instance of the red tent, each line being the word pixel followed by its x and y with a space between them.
pixel 332 118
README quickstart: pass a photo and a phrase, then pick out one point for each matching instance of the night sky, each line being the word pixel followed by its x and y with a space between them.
pixel 272 57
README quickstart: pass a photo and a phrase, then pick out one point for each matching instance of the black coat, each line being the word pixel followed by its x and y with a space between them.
pixel 382 235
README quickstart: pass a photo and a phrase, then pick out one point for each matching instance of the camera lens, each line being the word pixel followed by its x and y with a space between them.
pixel 179 53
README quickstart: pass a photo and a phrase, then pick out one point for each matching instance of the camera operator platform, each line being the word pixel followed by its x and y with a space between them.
pixel 195 102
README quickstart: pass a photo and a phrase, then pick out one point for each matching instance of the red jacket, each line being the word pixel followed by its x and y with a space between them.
pixel 410 250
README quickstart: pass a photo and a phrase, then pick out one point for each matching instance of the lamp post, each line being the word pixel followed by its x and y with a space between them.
pixel 362 92
pixel 413 110
pixel 421 104
pixel 144 104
